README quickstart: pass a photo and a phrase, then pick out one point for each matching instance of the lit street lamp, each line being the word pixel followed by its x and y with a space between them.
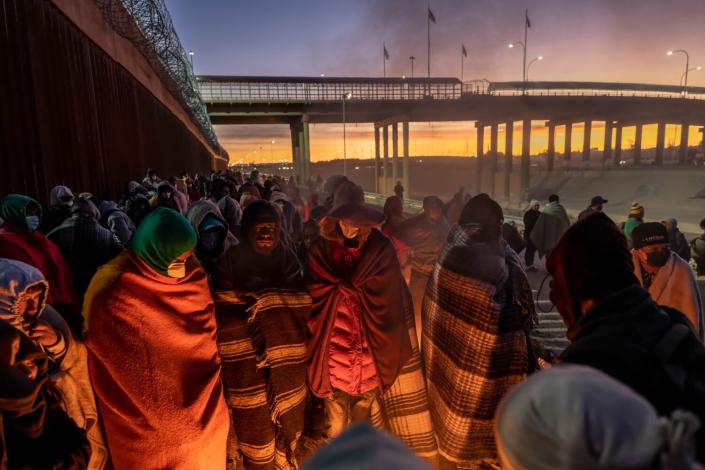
pixel 412 59
pixel 528 67
pixel 687 67
pixel 523 67
pixel 692 69
pixel 271 155
pixel 344 98
pixel 190 58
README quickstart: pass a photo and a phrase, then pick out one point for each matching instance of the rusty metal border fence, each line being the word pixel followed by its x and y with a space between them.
pixel 147 24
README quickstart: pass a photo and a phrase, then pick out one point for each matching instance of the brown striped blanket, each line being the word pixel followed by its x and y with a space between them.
pixel 403 409
pixel 476 313
pixel 261 341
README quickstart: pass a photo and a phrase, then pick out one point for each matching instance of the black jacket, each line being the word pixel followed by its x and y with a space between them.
pixel 530 218
pixel 620 336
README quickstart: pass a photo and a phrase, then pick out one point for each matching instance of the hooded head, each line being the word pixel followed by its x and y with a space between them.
pixel 393 207
pixel 23 292
pixel 590 262
pixel 85 207
pixel 214 237
pixel 261 226
pixel 483 213
pixel 61 196
pixel 588 420
pixel 20 211
pixel 163 239
pixel 433 207
pixel 331 186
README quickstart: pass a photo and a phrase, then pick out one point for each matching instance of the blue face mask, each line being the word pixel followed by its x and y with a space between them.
pixel 32 222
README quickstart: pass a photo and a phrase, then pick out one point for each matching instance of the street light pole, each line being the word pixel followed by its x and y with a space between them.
pixel 687 67
pixel 692 69
pixel 190 59
pixel 345 97
pixel 535 59
pixel 412 59
pixel 271 150
pixel 523 67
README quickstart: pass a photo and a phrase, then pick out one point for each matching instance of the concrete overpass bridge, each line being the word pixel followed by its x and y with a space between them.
pixel 388 102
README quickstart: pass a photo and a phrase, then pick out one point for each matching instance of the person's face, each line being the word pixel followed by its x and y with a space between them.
pixel 153 177
pixel 597 208
pixel 165 195
pixel 29 303
pixel 536 207
pixel 264 238
pixel 433 213
pixel 177 268
pixel 349 231
pixel 226 191
pixel 649 256
pixel 210 242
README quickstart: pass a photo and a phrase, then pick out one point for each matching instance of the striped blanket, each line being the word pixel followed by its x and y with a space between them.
pixel 261 341
pixel 403 409
pixel 476 312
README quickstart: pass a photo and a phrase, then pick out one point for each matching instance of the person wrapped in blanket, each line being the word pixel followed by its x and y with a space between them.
pixel 152 352
pixel 261 309
pixel 36 426
pixel 363 358
pixel 477 313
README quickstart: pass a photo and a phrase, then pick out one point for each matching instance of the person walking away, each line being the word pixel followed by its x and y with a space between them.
pixel 636 217
pixel 424 234
pixel 84 244
pixel 666 276
pixel 477 312
pixel 596 205
pixel 261 306
pixel 362 354
pixel 117 221
pixel 152 353
pixel 550 226
pixel 588 420
pixel 614 325
pixel 23 293
pixel 531 215
pixel 399 190
pixel 676 239
pixel 20 240
pixel 60 201
pixel 697 245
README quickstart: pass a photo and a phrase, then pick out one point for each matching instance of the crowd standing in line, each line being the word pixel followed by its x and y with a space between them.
pixel 225 321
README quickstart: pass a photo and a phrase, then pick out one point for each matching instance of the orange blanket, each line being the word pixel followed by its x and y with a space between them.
pixel 154 365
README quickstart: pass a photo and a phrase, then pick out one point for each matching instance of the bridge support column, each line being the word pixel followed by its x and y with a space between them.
pixel 568 143
pixel 306 150
pixel 385 162
pixel 493 158
pixel 683 150
pixel 607 143
pixel 405 161
pixel 508 158
pixel 587 137
pixel 637 144
pixel 525 162
pixel 660 139
pixel 618 145
pixel 395 153
pixel 551 154
pixel 480 126
pixel 377 154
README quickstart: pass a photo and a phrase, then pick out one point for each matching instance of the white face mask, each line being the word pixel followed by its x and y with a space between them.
pixel 32 222
pixel 177 269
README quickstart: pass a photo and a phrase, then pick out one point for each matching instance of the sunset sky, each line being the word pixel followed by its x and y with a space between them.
pixel 582 40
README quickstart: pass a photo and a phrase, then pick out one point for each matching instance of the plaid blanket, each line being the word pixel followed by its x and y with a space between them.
pixel 261 341
pixel 476 311
pixel 403 409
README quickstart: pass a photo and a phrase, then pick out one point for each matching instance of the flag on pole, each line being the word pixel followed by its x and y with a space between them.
pixel 528 22
pixel 386 53
pixel 464 51
pixel 430 15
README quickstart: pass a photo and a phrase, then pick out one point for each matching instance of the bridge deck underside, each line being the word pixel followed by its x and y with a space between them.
pixel 486 108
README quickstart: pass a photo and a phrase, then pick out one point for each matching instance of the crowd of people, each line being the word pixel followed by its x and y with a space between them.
pixel 227 321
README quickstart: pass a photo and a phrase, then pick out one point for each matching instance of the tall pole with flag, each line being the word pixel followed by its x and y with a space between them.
pixel 385 58
pixel 463 55
pixel 431 18
pixel 527 25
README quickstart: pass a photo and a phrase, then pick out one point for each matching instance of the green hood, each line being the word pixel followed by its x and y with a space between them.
pixel 163 236
pixel 13 210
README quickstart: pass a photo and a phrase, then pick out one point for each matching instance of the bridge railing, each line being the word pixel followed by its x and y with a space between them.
pixel 594 89
pixel 307 90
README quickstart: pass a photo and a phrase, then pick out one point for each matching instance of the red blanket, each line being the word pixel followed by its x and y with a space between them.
pixel 154 365
pixel 377 282
pixel 37 250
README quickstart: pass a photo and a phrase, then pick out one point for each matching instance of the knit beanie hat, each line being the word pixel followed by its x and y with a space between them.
pixel 636 210
pixel 649 233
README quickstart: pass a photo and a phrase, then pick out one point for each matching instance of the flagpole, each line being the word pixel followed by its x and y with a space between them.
pixel 526 37
pixel 462 68
pixel 384 60
pixel 428 22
